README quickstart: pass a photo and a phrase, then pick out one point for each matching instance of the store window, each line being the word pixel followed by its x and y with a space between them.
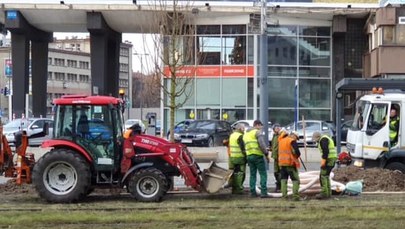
pixel 209 50
pixel 312 93
pixel 208 92
pixel 281 92
pixel 234 92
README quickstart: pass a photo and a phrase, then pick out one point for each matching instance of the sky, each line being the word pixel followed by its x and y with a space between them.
pixel 138 43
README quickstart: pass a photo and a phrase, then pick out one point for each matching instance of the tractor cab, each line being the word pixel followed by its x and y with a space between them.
pixel 95 124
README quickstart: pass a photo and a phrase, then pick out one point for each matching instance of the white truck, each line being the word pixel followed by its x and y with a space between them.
pixel 368 139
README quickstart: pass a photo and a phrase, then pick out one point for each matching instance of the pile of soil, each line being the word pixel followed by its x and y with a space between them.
pixel 374 179
pixel 11 187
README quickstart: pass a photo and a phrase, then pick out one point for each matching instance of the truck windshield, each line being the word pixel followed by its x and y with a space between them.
pixel 362 108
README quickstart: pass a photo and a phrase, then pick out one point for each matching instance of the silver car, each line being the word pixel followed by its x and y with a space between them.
pixel 32 126
pixel 311 126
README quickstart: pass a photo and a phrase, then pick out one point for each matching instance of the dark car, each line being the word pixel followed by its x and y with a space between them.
pixel 344 129
pixel 181 126
pixel 204 133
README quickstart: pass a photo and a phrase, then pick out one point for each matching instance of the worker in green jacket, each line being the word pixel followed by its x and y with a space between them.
pixel 274 155
pixel 237 159
pixel 328 152
pixel 257 157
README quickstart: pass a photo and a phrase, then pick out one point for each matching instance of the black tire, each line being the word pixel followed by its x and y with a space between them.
pixel 396 166
pixel 62 176
pixel 148 185
pixel 170 183
pixel 211 142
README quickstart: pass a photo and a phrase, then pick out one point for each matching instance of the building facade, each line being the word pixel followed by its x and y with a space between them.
pixel 69 71
pixel 307 55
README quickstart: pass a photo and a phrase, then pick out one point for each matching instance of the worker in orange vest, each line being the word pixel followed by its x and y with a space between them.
pixel 288 154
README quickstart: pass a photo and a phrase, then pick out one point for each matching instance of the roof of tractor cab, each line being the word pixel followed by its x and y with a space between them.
pixel 84 99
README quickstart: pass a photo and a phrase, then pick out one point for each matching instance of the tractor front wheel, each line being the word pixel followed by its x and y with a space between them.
pixel 62 176
pixel 148 185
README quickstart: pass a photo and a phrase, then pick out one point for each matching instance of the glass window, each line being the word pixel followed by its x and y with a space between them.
pixel 314 93
pixel 281 116
pixel 183 52
pixel 282 50
pixel 250 49
pixel 314 31
pixel 278 71
pixel 209 50
pixel 282 30
pixel 234 29
pixel 207 92
pixel 377 117
pixel 234 92
pixel 388 34
pixel 208 29
pixel 400 34
pixel 314 51
pixel 315 114
pixel 235 114
pixel 314 72
pixel 187 97
pixel 281 92
pixel 234 51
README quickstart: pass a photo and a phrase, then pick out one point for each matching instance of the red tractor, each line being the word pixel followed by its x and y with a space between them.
pixel 88 151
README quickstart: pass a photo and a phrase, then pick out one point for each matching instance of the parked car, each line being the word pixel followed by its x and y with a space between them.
pixel 249 124
pixel 311 126
pixel 180 126
pixel 158 127
pixel 344 129
pixel 31 126
pixel 204 133
pixel 131 122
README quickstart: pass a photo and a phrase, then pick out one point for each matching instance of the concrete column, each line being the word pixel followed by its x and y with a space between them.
pixel 20 57
pixel 22 32
pixel 105 52
pixel 39 77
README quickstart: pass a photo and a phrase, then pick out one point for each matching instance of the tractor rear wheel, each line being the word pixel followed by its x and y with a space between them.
pixel 148 185
pixel 62 176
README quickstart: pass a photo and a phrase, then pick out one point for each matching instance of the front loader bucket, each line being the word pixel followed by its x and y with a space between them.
pixel 215 177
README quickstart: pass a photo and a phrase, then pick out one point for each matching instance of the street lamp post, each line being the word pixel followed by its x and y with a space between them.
pixel 141 88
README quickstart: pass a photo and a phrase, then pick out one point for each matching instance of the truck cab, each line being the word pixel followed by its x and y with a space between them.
pixel 368 140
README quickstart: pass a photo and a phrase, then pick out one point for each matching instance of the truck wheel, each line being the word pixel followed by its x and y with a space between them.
pixel 148 185
pixel 396 166
pixel 62 176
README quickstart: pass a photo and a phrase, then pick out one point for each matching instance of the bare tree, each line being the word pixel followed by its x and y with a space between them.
pixel 175 43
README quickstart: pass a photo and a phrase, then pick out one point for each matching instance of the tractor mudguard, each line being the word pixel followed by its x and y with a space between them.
pixel 138 166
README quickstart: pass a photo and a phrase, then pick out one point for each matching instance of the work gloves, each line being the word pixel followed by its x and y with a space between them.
pixel 323 163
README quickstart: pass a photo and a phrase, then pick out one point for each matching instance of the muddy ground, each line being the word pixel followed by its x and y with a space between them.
pixel 374 179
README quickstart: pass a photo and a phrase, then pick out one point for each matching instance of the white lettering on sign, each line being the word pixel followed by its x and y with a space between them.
pixel 149 142
pixel 242 71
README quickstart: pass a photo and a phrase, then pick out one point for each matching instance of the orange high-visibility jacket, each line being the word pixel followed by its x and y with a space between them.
pixel 285 153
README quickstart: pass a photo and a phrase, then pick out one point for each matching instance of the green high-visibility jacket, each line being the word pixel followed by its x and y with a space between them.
pixel 251 143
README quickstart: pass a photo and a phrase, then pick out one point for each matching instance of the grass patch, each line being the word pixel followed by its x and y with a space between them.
pixel 196 211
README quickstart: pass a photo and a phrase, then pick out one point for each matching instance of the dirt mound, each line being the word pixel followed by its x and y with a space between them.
pixel 374 179
pixel 12 188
